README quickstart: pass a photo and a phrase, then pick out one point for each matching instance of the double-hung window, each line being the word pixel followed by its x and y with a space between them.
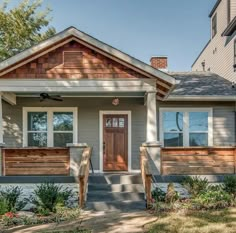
pixel 185 127
pixel 49 127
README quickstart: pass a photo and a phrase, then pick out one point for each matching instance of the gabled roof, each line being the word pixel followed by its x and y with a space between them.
pixel 73 32
pixel 207 85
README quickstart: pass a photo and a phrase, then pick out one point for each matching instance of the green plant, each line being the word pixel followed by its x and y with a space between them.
pixel 158 195
pixel 3 206
pixel 11 195
pixel 171 194
pixel 195 185
pixel 49 196
pixel 212 199
pixel 229 184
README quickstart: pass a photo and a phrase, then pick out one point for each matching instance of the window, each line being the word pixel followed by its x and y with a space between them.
pixel 173 128
pixel 198 128
pixel 214 25
pixel 234 55
pixel 49 127
pixel 186 127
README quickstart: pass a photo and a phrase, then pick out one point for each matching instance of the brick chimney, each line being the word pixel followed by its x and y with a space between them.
pixel 159 62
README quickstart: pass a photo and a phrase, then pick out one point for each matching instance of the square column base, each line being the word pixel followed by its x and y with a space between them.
pixel 76 150
pixel 154 154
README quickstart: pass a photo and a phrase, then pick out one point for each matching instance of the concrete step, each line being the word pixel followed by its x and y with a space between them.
pixel 116 187
pixel 123 206
pixel 115 179
pixel 101 196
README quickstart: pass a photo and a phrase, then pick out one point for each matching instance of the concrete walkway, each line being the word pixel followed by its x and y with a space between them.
pixel 117 222
pixel 96 222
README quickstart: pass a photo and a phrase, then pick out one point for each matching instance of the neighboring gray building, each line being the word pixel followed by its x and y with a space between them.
pixel 219 55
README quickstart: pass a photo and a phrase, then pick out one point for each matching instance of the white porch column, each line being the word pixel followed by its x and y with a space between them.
pixel 151 131
pixel 151 144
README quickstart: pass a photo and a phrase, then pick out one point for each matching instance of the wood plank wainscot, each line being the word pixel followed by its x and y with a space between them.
pixel 198 161
pixel 35 161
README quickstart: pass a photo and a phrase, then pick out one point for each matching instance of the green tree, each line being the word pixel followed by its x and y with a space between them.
pixel 23 26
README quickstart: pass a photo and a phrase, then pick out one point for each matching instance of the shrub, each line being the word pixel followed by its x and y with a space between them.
pixel 212 199
pixel 49 196
pixel 195 185
pixel 158 195
pixel 11 197
pixel 229 185
pixel 171 195
pixel 3 206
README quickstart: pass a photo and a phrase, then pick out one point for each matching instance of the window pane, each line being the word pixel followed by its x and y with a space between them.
pixel 173 121
pixel 121 122
pixel 37 139
pixel 198 139
pixel 173 139
pixel 115 122
pixel 62 121
pixel 37 121
pixel 108 122
pixel 198 121
pixel 61 139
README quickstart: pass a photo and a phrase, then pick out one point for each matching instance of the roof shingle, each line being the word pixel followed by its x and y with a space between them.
pixel 201 84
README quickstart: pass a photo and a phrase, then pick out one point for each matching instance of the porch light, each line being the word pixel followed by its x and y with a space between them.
pixel 115 101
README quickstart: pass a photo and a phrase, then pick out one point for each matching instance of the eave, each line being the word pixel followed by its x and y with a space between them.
pixel 230 29
pixel 214 8
pixel 203 98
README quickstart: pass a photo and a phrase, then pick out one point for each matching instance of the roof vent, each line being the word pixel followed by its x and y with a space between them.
pixel 72 59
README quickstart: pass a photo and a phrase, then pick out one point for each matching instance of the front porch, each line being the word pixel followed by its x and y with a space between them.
pixel 33 134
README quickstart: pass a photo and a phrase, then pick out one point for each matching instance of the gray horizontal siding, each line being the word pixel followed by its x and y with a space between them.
pixel 88 121
pixel 224 126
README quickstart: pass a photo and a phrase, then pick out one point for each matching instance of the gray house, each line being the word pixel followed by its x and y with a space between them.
pixel 73 90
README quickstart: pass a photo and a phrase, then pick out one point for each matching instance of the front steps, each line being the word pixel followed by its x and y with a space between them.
pixel 123 192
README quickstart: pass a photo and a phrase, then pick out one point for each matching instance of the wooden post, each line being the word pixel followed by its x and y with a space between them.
pixel 148 182
pixel 3 162
pixel 81 191
pixel 234 160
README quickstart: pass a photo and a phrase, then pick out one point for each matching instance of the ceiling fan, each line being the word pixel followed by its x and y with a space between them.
pixel 44 96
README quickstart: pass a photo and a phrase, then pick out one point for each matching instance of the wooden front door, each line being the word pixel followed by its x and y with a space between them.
pixel 115 142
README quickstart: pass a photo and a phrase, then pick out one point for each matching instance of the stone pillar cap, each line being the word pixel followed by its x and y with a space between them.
pixel 151 144
pixel 77 145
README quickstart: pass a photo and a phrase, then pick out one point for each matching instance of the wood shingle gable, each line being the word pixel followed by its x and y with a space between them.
pixel 86 58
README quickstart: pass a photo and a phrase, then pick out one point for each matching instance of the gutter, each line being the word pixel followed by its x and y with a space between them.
pixel 200 98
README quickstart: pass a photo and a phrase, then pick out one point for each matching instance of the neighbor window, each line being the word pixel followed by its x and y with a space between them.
pixel 214 25
pixel 186 127
pixel 229 11
pixel 54 127
pixel 234 55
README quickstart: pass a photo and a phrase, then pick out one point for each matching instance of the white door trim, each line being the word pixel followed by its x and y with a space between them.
pixel 101 113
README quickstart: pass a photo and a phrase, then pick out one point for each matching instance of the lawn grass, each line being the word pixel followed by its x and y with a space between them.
pixel 221 221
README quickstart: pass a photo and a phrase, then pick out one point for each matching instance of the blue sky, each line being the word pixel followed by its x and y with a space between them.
pixel 141 28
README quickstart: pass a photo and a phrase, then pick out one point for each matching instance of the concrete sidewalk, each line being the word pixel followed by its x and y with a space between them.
pixel 117 222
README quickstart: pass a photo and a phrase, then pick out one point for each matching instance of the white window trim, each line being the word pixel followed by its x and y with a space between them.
pixel 186 123
pixel 50 131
